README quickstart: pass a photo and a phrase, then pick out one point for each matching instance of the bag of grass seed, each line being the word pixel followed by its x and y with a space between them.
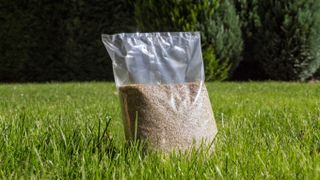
pixel 160 78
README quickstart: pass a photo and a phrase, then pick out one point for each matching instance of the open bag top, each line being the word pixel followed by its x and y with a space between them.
pixel 155 58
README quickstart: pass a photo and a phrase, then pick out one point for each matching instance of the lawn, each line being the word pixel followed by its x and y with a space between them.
pixel 74 130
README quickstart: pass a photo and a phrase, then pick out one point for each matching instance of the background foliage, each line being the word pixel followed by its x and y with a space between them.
pixel 58 40
pixel 42 40
pixel 216 20
pixel 282 39
pixel 249 68
pixel 288 42
pixel 317 74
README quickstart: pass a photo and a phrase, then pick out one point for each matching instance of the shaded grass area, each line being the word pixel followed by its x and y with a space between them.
pixel 74 130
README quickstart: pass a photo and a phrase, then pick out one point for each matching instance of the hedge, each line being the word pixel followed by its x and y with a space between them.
pixel 281 37
pixel 217 22
pixel 59 40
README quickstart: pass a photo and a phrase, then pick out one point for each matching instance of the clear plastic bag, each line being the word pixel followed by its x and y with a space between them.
pixel 160 78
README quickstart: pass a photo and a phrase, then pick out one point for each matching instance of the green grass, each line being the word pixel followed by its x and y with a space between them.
pixel 266 130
